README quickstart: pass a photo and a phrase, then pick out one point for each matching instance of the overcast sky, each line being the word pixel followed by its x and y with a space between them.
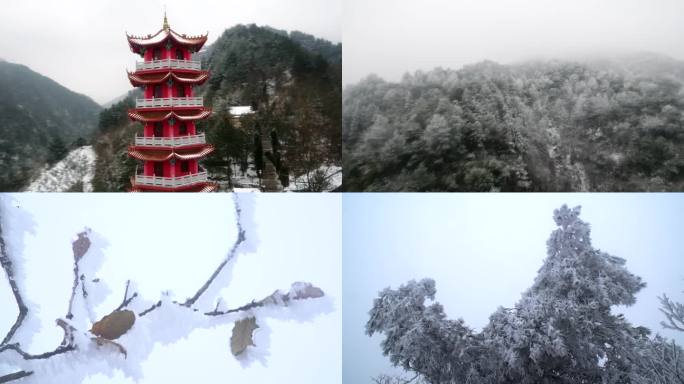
pixel 484 250
pixel 390 37
pixel 81 43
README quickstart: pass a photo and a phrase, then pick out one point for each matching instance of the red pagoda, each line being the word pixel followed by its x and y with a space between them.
pixel 170 147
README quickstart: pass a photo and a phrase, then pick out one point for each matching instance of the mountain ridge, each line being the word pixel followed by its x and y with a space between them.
pixel 37 114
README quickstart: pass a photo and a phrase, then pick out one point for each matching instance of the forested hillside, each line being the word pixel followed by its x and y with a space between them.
pixel 39 121
pixel 293 81
pixel 595 125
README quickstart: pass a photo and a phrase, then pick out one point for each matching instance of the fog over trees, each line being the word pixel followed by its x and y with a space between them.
pixel 599 125
pixel 513 96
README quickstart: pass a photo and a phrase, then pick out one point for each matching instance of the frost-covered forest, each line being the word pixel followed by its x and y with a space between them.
pixel 610 124
pixel 564 329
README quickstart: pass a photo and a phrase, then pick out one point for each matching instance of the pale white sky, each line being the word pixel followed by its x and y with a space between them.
pixel 391 37
pixel 484 250
pixel 81 44
pixel 174 242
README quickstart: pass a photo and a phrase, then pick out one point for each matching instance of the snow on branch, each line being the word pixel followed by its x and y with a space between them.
pixel 241 237
pixel 298 291
pixel 674 312
pixel 87 349
pixel 9 271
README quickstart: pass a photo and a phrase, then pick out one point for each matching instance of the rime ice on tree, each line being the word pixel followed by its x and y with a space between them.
pixel 562 330
pixel 170 147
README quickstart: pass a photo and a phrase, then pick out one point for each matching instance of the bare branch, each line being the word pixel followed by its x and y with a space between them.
pixel 241 237
pixel 23 310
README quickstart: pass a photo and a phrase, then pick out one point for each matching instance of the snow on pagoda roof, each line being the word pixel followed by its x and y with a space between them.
pixel 156 78
pixel 154 116
pixel 138 42
pixel 238 111
pixel 163 155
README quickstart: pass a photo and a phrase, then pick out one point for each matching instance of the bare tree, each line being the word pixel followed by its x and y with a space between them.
pixel 83 346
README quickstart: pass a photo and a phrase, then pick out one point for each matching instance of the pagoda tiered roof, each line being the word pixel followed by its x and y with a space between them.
pixel 139 78
pixel 170 153
pixel 138 43
pixel 146 116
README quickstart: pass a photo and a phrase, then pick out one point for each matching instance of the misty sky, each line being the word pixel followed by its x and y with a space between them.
pixel 391 37
pixel 81 44
pixel 484 250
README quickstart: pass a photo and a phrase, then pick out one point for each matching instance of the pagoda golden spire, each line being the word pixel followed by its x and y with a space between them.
pixel 166 21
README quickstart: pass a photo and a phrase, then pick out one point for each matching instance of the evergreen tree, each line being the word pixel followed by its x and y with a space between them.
pixel 57 150
pixel 561 331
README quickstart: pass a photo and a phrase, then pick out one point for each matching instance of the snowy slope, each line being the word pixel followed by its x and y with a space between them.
pixel 78 166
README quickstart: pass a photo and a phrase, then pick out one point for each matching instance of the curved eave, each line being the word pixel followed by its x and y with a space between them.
pixel 147 116
pixel 138 79
pixel 168 154
pixel 138 42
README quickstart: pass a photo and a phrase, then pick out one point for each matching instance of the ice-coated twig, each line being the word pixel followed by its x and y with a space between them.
pixel 27 356
pixel 150 309
pixel 15 376
pixel 23 310
pixel 240 238
pixel 126 300
pixel 80 246
pixel 299 291
pixel 674 312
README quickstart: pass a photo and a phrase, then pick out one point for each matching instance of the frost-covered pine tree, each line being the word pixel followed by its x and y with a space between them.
pixel 561 331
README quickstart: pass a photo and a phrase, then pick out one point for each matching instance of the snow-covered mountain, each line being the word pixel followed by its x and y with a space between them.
pixel 77 168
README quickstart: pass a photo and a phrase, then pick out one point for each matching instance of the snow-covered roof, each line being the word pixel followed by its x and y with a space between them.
pixel 238 111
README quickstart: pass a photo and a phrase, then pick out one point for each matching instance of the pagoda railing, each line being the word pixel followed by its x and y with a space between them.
pixel 169 102
pixel 167 63
pixel 170 141
pixel 171 182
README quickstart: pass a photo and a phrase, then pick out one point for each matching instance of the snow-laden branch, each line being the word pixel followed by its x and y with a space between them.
pixel 96 343
pixel 298 291
pixel 9 271
pixel 674 312
pixel 80 246
pixel 241 237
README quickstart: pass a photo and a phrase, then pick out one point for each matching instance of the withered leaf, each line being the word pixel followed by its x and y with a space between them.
pixel 242 335
pixel 80 246
pixel 114 325
pixel 100 341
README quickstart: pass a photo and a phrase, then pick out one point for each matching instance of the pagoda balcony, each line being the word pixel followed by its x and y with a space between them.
pixel 168 64
pixel 169 102
pixel 171 182
pixel 179 141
